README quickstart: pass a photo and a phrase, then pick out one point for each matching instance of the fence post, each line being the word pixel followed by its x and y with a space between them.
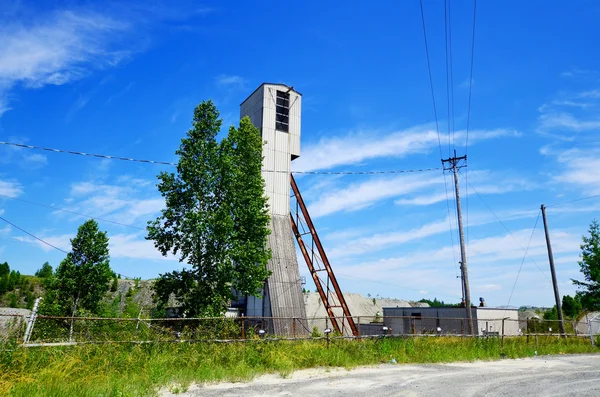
pixel 31 321
pixel 503 332
pixel 294 327
pixel 243 327
pixel 590 329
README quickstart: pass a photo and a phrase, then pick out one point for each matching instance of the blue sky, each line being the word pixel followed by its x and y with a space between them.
pixel 122 78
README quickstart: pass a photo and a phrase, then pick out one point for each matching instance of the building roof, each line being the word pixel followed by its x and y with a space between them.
pixel 263 84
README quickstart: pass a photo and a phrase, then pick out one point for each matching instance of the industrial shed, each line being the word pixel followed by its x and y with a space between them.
pixel 450 320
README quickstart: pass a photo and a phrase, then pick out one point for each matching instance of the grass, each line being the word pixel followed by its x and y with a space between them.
pixel 141 370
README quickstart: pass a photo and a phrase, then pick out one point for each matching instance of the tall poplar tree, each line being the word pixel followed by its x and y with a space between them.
pixel 215 218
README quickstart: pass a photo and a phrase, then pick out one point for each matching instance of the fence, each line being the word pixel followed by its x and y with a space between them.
pixel 48 330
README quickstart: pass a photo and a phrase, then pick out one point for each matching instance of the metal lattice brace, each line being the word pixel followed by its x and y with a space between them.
pixel 318 264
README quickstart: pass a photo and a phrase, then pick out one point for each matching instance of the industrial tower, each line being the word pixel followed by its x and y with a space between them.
pixel 275 110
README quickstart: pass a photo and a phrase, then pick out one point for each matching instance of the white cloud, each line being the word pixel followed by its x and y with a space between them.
pixel 361 195
pixel 11 189
pixel 231 81
pixel 130 199
pixel 479 180
pixel 61 241
pixel 554 120
pixel 56 49
pixel 580 168
pixel 35 160
pixel 354 148
pixel 134 246
pixel 381 240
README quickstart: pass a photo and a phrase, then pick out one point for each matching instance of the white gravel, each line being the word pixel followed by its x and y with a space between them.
pixel 573 375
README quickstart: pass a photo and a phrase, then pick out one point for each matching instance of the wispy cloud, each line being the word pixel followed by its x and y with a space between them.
pixel 57 48
pixel 571 113
pixel 579 167
pixel 10 188
pixel 129 246
pixel 231 81
pixel 478 180
pixel 361 195
pixel 24 158
pixel 128 198
pixel 380 241
pixel 62 241
pixel 354 148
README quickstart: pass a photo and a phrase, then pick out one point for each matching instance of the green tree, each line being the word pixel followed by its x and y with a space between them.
pixel 571 306
pixel 215 218
pixel 438 303
pixel 589 290
pixel 4 269
pixel 45 271
pixel 13 301
pixel 3 284
pixel 82 278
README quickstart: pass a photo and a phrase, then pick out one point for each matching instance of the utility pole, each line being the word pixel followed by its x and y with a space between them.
pixel 553 272
pixel 455 166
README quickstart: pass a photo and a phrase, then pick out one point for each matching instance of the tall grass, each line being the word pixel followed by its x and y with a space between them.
pixel 135 370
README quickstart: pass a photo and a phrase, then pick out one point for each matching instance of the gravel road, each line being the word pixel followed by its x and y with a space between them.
pixel 577 375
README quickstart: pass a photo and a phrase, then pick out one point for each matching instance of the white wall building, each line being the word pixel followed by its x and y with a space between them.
pixel 275 109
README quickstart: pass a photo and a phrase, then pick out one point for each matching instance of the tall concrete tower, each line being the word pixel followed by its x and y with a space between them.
pixel 275 110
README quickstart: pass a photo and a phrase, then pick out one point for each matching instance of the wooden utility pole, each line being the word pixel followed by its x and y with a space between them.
pixel 553 272
pixel 454 166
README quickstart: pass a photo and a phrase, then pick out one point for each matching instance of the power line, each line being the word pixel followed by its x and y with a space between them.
pixel 35 237
pixel 574 201
pixel 365 172
pixel 71 212
pixel 437 127
pixel 471 75
pixel 509 232
pixel 104 156
pixel 451 68
pixel 523 261
pixel 469 112
pixel 450 224
pixel 447 73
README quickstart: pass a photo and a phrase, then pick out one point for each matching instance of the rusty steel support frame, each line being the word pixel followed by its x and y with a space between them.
pixel 317 262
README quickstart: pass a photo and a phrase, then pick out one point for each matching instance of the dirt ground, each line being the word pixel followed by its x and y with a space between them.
pixel 577 375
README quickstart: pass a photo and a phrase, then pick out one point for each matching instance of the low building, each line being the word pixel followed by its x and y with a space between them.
pixel 487 321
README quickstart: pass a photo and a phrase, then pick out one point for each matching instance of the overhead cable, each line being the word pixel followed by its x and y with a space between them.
pixel 35 237
pixel 71 212
pixel 471 75
pixel 508 231
pixel 104 156
pixel 574 201
pixel 523 260
pixel 437 127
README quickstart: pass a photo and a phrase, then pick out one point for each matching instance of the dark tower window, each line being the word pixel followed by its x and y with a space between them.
pixel 282 112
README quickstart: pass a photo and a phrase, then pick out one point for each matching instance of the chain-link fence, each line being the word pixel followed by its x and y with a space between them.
pixel 75 330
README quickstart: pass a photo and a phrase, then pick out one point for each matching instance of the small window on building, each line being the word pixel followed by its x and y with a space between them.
pixel 282 112
pixel 416 315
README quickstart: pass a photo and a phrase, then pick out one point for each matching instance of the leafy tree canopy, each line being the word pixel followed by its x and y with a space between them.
pixel 571 306
pixel 438 303
pixel 589 290
pixel 215 218
pixel 82 278
pixel 45 271
pixel 4 269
